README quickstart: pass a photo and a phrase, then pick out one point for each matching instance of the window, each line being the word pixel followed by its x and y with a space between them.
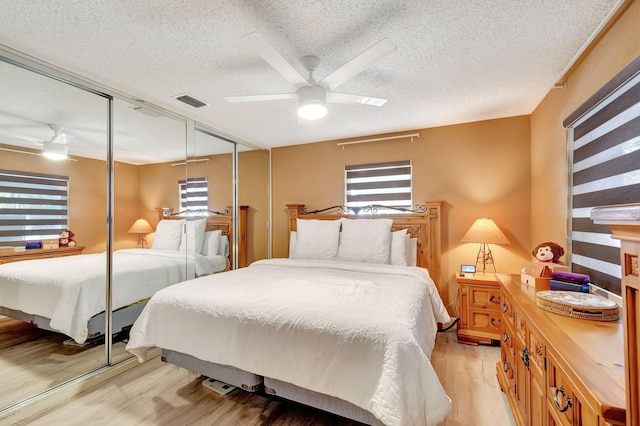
pixel 32 207
pixel 194 194
pixel 605 169
pixel 386 184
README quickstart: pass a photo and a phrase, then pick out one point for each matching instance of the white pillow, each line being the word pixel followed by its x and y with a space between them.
pixel 292 244
pixel 223 246
pixel 412 251
pixel 399 247
pixel 211 243
pixel 168 235
pixel 365 240
pixel 193 236
pixel 317 239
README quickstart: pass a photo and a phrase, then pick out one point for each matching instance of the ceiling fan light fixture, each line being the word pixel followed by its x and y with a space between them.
pixel 54 151
pixel 312 102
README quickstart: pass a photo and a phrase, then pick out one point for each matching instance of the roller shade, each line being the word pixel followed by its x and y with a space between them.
pixel 387 184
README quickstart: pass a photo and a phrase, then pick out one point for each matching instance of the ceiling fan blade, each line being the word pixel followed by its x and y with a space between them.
pixel 358 64
pixel 262 47
pixel 346 98
pixel 253 98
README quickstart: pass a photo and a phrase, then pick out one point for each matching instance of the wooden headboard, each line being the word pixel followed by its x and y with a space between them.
pixel 426 227
pixel 221 221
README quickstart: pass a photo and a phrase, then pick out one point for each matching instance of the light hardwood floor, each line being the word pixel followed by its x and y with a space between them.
pixel 160 394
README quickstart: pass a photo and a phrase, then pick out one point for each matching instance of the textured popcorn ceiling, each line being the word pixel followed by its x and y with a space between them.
pixel 457 61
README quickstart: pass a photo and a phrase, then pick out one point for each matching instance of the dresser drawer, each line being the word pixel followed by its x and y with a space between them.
pixel 560 393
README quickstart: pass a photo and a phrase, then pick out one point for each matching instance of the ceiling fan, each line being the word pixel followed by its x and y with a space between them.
pixel 313 95
pixel 54 148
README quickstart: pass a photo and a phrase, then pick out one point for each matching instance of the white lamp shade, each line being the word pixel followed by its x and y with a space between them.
pixel 486 231
pixel 141 226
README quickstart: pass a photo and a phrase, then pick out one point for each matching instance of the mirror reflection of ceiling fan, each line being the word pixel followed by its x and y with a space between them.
pixel 54 148
pixel 313 95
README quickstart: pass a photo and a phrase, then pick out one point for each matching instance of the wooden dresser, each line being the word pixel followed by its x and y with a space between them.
pixel 39 254
pixel 624 222
pixel 557 370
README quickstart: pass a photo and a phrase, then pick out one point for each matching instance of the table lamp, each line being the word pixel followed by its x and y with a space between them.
pixel 142 228
pixel 485 231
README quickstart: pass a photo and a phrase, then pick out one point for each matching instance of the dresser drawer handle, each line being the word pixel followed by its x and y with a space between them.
pixel 494 299
pixel 505 337
pixel 505 307
pixel 493 322
pixel 505 366
pixel 525 357
pixel 568 401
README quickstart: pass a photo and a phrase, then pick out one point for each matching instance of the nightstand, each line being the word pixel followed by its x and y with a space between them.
pixel 479 309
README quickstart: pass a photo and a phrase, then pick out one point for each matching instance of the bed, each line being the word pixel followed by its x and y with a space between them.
pixel 346 324
pixel 67 294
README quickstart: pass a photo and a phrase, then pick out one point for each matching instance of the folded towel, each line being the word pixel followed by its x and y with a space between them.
pixel 571 277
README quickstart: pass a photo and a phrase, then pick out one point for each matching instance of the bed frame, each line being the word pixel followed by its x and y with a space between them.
pixel 425 225
pixel 222 221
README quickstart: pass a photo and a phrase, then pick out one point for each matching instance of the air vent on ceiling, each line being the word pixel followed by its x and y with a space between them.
pixel 190 100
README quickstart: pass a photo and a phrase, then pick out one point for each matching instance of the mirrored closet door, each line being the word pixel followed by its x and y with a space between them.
pixel 53 204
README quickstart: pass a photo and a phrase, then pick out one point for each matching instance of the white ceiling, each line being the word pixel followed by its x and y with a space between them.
pixel 456 61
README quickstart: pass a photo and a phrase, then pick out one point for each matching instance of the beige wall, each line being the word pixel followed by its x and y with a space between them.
pixel 549 169
pixel 477 169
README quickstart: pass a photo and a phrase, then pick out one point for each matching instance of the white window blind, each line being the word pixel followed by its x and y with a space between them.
pixel 32 207
pixel 385 184
pixel 605 169
pixel 194 194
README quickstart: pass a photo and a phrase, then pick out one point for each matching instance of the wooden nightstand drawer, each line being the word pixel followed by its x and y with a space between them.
pixel 480 309
pixel 481 297
pixel 485 320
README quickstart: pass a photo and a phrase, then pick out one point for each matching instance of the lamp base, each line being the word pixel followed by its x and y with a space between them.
pixel 142 241
pixel 485 257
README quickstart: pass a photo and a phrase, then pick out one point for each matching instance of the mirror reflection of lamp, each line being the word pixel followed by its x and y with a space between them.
pixel 485 231
pixel 142 228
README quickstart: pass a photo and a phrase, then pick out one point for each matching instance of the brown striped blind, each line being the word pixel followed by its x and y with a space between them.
pixel 386 184
pixel 605 170
pixel 194 194
pixel 32 207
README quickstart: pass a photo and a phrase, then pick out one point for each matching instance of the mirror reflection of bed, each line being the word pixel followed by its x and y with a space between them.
pixel 32 342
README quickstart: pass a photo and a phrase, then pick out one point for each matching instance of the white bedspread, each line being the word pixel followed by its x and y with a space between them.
pixel 359 332
pixel 70 290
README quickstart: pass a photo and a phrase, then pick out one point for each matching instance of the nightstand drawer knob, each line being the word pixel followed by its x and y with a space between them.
pixel 495 323
pixel 494 299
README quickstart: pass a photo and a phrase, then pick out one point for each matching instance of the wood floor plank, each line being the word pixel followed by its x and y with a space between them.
pixel 156 393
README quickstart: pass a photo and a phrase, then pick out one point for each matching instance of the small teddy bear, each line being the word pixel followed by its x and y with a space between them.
pixel 548 252
pixel 66 239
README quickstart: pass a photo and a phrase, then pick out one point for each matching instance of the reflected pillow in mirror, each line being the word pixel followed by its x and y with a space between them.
pixel 365 240
pixel 211 243
pixel 317 239
pixel 168 235
pixel 399 247
pixel 193 236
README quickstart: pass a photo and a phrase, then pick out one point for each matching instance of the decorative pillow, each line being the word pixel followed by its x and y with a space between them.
pixel 399 247
pixel 412 251
pixel 317 239
pixel 223 247
pixel 365 240
pixel 292 244
pixel 168 235
pixel 211 243
pixel 193 236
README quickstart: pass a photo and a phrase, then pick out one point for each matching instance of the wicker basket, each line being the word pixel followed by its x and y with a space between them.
pixel 574 304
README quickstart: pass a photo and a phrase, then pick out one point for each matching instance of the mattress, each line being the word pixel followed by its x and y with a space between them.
pixel 361 333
